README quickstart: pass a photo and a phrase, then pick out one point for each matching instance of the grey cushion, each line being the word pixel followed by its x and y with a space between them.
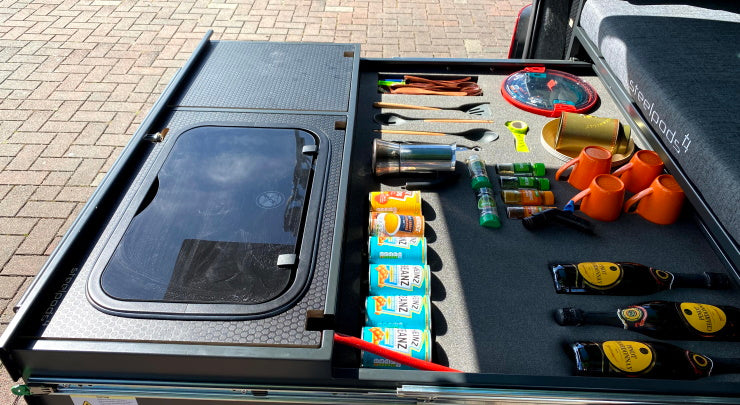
pixel 681 65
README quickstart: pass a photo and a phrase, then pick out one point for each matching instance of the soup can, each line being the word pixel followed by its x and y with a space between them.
pixel 398 311
pixel 399 279
pixel 397 250
pixel 416 343
pixel 390 224
pixel 399 202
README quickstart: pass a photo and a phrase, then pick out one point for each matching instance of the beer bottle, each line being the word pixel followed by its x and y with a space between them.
pixel 620 358
pixel 625 278
pixel 664 320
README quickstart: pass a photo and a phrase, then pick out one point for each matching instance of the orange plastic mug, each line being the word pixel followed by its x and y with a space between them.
pixel 641 170
pixel 660 203
pixel 591 162
pixel 603 198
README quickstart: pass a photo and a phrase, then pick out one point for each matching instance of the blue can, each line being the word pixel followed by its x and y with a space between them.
pixel 416 343
pixel 398 311
pixel 399 279
pixel 397 250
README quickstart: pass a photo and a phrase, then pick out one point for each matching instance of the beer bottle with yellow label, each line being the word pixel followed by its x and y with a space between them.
pixel 664 320
pixel 624 278
pixel 621 358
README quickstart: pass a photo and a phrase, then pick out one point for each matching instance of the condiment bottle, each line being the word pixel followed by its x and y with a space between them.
pixel 478 174
pixel 525 211
pixel 528 197
pixel 521 169
pixel 487 208
pixel 516 182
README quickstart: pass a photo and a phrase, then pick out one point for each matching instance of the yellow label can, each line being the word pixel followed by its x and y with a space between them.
pixel 390 224
pixel 399 202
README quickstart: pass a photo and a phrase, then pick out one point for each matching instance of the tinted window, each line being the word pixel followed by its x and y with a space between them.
pixel 226 203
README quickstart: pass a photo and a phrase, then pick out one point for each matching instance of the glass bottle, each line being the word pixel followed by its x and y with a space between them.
pixel 624 278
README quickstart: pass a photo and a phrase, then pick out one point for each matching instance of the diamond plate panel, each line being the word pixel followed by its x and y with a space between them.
pixel 274 76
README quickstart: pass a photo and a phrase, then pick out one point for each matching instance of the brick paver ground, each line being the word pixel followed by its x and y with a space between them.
pixel 77 78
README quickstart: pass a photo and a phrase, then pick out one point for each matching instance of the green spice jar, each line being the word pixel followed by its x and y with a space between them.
pixel 517 182
pixel 521 169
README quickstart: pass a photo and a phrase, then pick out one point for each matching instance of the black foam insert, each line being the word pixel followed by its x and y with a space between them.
pixel 492 294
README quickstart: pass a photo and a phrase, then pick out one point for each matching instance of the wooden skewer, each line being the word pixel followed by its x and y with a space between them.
pixel 406 132
pixel 457 120
pixel 380 104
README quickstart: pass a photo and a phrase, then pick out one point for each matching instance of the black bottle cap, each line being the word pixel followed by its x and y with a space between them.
pixel 537 221
pixel 556 216
pixel 569 316
pixel 717 281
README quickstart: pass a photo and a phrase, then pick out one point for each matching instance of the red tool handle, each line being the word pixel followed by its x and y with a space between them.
pixel 390 354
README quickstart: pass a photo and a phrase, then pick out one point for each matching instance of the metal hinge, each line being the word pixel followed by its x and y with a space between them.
pixel 25 390
pixel 158 136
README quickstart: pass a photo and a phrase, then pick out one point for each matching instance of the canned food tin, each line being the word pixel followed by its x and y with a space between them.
pixel 390 224
pixel 416 343
pixel 399 202
pixel 399 279
pixel 398 311
pixel 397 250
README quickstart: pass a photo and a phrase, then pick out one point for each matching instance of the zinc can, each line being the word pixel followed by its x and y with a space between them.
pixel 397 250
pixel 390 224
pixel 398 311
pixel 416 343
pixel 399 202
pixel 399 279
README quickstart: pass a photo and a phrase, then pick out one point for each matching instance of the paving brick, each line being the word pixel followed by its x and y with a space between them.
pixel 45 230
pixel 23 265
pixel 46 209
pixel 120 123
pixel 86 172
pixel 36 120
pixel 75 193
pixel 9 286
pixel 8 244
pixel 63 126
pixel 45 89
pixel 56 179
pixel 45 193
pixel 61 164
pixel 66 110
pixel 25 157
pixel 22 177
pixel 89 151
pixel 58 145
pixel 7 397
pixel 16 226
pixel 53 245
pixel 31 137
pixel 9 149
pixel 8 313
